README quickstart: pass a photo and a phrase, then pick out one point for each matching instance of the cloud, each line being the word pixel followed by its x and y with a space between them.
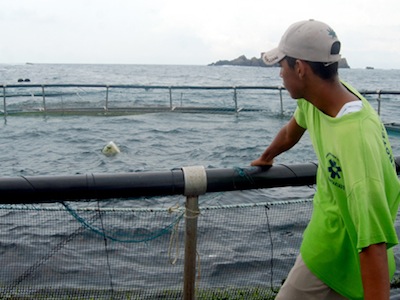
pixel 186 31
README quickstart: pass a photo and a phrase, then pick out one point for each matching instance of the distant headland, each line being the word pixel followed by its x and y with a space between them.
pixel 258 62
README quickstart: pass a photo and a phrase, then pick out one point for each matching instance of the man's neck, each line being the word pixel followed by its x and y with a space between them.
pixel 329 96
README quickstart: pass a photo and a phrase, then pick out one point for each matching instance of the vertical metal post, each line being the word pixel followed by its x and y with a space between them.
pixel 195 184
pixel 281 99
pixel 235 99
pixel 106 107
pixel 170 97
pixel 379 102
pixel 44 99
pixel 4 103
pixel 192 212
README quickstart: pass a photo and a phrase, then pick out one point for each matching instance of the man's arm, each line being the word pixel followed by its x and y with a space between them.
pixel 375 272
pixel 286 138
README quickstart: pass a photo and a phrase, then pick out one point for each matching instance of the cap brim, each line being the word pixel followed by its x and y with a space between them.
pixel 273 56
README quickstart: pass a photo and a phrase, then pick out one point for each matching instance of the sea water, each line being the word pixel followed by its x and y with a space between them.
pixel 160 141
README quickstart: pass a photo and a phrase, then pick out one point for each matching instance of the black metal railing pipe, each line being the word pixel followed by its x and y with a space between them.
pixel 41 189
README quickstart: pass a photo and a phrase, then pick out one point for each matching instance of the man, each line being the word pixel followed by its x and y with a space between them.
pixel 346 250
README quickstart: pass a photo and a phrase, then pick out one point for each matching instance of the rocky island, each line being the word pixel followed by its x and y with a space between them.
pixel 258 62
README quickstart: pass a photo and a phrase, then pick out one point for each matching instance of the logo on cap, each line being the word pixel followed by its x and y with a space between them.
pixel 332 33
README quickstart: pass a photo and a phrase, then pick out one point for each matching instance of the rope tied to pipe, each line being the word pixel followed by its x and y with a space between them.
pixel 174 239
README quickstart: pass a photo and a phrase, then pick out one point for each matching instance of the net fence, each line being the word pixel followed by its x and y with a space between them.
pixel 75 252
pixel 95 251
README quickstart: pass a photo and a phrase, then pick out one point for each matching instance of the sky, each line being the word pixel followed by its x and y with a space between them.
pixel 188 32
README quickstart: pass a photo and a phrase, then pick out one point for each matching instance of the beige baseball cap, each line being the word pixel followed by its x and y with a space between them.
pixel 309 40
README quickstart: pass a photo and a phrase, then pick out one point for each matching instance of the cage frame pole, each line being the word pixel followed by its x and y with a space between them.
pixel 44 99
pixel 189 281
pixel 195 182
pixel 379 102
pixel 106 104
pixel 281 98
pixel 4 103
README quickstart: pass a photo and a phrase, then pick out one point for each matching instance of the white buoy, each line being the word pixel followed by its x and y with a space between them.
pixel 110 149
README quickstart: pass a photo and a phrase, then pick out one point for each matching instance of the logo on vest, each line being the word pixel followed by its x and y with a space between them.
pixel 334 171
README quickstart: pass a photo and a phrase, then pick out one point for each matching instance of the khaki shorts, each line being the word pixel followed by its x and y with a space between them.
pixel 302 284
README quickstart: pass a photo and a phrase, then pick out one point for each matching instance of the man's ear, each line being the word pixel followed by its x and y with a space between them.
pixel 300 68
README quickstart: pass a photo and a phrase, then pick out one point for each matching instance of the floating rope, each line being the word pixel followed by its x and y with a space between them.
pixel 147 237
pixel 242 173
pixel 260 204
pixel 133 210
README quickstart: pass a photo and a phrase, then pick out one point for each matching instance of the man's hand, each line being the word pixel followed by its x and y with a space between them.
pixel 261 162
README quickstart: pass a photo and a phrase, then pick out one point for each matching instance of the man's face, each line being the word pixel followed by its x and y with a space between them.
pixel 291 80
